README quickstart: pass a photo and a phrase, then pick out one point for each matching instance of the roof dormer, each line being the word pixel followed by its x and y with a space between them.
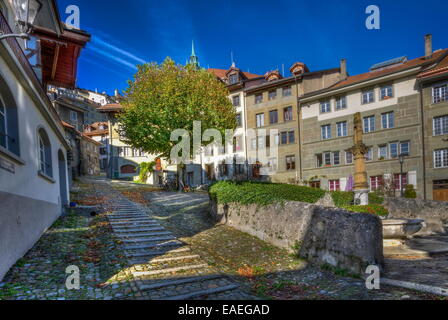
pixel 298 68
pixel 273 75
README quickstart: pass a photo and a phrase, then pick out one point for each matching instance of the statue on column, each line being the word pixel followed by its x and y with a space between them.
pixel 359 151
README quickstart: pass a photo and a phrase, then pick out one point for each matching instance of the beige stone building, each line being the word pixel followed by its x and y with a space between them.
pixel 389 100
pixel 433 84
pixel 273 106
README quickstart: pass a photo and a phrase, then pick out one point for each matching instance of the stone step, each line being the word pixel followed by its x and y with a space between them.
pixel 136 235
pixel 136 226
pixel 169 283
pixel 129 218
pixel 169 270
pixel 201 293
pixel 136 230
pixel 151 246
pixel 161 260
pixel 156 253
pixel 145 240
pixel 133 223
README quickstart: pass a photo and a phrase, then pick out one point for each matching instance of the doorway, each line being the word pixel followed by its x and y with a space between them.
pixel 62 178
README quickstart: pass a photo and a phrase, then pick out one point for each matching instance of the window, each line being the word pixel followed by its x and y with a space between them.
pixel 383 152
pixel 287 114
pixel 404 148
pixel 376 183
pixel 336 158
pixel 388 120
pixel 73 116
pixel 272 94
pixel 368 96
pixel 259 98
pixel 260 120
pixel 440 93
pixel 400 181
pixel 342 129
pixel 236 101
pixel 290 163
pixel 284 136
pixel 440 125
pixel 341 103
pixel 327 158
pixel 44 156
pixel 273 116
pixel 386 92
pixel 393 150
pixel 441 158
pixel 325 106
pixel 369 154
pixel 369 124
pixel 319 160
pixel 334 185
pixel 233 78
pixel 326 132
pixel 291 137
pixel 239 122
pixel 287 91
pixel 348 157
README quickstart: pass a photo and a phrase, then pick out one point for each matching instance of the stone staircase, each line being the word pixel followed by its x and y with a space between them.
pixel 163 267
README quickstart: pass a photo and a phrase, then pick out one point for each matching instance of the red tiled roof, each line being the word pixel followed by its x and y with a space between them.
pixel 90 139
pixel 96 133
pixel 221 73
pixel 67 125
pixel 441 67
pixel 374 74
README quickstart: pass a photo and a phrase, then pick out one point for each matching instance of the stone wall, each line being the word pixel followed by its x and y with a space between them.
pixel 434 213
pixel 320 235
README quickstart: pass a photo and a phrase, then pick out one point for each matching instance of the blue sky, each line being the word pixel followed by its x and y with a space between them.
pixel 263 35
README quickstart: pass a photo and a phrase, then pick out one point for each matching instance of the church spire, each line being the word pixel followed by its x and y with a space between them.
pixel 194 60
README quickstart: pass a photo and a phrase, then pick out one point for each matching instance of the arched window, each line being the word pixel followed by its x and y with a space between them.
pixel 9 128
pixel 45 163
pixel 128 169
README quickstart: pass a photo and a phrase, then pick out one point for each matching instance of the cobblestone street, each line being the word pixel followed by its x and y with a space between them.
pixel 148 244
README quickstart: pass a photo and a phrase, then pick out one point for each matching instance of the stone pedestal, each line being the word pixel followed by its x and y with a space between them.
pixel 362 197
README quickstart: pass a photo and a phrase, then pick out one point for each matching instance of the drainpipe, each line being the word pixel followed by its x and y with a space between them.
pixel 422 119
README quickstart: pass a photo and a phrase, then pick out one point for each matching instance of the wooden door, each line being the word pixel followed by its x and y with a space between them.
pixel 440 190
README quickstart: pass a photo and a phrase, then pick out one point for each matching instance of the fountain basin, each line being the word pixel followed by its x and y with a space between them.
pixel 401 228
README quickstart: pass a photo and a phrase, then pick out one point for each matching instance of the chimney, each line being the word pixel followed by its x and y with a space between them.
pixel 428 46
pixel 343 69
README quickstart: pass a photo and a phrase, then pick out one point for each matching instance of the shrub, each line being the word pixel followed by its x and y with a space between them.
pixel 371 208
pixel 264 194
pixel 410 192
pixel 376 198
pixel 341 198
pixel 146 168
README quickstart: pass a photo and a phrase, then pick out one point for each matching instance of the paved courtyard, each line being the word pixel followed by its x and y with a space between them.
pixel 149 244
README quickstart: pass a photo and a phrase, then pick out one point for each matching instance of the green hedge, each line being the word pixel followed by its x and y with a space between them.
pixel 376 198
pixel 371 208
pixel 262 193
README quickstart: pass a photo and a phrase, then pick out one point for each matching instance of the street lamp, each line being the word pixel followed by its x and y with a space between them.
pixel 26 12
pixel 401 159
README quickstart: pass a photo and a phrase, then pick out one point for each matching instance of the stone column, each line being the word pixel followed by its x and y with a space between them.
pixel 359 150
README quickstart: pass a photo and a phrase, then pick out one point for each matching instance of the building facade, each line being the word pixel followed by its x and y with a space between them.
pixel 389 101
pixel 273 107
pixel 33 147
pixel 433 85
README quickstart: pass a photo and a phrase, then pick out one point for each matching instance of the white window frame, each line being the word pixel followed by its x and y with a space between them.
pixel 260 120
pixel 369 95
pixel 371 126
pixel 442 94
pixel 325 106
pixel 443 154
pixel 341 103
pixel 409 147
pixel 383 94
pixel 390 150
pixel 386 121
pixel 443 125
pixel 326 135
pixel 342 129
pixel 346 160
pixel 386 148
pixel 42 156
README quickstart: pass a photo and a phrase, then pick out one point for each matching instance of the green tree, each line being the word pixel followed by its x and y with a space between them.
pixel 166 97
